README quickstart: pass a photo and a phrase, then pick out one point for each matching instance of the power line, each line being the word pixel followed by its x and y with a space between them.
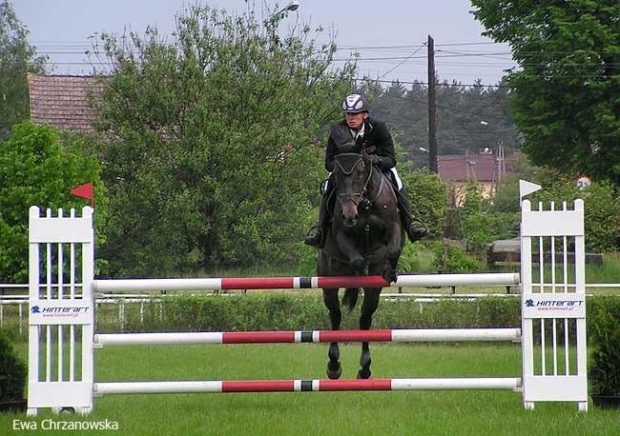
pixel 405 60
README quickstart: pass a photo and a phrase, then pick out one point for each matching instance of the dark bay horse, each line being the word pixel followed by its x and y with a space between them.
pixel 365 238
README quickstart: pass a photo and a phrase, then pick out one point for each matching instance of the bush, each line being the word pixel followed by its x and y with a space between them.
pixel 307 312
pixel 428 198
pixel 39 166
pixel 12 371
pixel 604 338
pixel 455 260
pixel 480 229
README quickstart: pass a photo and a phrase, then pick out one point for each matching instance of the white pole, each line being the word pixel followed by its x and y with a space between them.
pixel 455 383
pixel 157 387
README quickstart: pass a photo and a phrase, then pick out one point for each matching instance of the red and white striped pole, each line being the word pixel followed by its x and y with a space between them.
pixel 198 284
pixel 306 385
pixel 284 337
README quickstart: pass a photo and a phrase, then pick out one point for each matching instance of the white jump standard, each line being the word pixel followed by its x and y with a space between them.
pixel 62 289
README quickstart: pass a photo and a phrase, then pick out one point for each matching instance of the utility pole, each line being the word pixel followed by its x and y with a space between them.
pixel 432 127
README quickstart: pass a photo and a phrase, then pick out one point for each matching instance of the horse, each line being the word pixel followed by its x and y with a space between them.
pixel 365 237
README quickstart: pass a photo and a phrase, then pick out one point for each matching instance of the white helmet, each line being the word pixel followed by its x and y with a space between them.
pixel 354 104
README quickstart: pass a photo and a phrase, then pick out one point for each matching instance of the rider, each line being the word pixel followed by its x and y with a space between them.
pixel 356 133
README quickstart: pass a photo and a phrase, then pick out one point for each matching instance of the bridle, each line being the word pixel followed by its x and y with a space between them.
pixel 354 197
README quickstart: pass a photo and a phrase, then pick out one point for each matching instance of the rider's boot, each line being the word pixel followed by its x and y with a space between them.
pixel 414 231
pixel 316 236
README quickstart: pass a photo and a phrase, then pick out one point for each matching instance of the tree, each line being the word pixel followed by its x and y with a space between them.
pixel 17 58
pixel 428 198
pixel 602 202
pixel 460 110
pixel 38 167
pixel 567 91
pixel 213 154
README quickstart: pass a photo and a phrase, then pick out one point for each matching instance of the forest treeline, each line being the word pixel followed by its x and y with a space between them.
pixel 469 119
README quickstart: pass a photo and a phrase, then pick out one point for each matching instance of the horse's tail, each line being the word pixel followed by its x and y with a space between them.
pixel 350 298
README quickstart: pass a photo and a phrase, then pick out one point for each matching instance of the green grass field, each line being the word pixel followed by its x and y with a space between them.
pixel 341 413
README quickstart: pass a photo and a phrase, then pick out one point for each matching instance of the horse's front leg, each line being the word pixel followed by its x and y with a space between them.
pixel 394 250
pixel 330 298
pixel 371 302
pixel 356 260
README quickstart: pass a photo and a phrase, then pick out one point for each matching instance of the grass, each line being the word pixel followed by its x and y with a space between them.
pixel 370 413
pixel 608 272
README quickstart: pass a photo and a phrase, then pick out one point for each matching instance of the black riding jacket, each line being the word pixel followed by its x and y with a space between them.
pixel 376 134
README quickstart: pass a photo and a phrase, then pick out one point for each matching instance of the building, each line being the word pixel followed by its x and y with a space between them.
pixel 63 101
pixel 485 168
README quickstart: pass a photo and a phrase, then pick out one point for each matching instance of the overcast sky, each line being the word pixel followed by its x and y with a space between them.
pixel 388 34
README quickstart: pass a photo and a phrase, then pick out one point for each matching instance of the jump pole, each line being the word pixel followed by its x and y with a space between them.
pixel 405 384
pixel 282 337
pixel 431 280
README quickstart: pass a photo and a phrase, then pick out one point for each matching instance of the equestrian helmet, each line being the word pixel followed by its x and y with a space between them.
pixel 354 104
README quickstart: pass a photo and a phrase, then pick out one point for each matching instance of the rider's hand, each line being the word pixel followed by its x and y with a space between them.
pixel 374 159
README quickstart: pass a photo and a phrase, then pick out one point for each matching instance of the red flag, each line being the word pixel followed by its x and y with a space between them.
pixel 85 191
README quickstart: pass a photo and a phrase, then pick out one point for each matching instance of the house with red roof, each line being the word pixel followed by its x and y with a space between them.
pixel 487 168
pixel 63 101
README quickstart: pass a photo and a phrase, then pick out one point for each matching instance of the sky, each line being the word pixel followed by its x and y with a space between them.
pixel 389 36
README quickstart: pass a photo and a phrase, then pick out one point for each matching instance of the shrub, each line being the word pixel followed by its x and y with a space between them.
pixel 307 312
pixel 428 198
pixel 39 166
pixel 455 260
pixel 602 210
pixel 604 334
pixel 12 371
pixel 480 229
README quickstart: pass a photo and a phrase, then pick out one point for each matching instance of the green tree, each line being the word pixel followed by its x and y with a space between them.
pixel 602 210
pixel 460 111
pixel 567 90
pixel 214 154
pixel 39 168
pixel 17 58
pixel 473 202
pixel 429 201
pixel 601 202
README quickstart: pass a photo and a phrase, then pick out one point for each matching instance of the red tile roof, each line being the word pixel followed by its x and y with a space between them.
pixel 461 168
pixel 63 101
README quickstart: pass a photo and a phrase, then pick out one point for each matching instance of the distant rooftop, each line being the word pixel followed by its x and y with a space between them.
pixel 63 101
pixel 479 167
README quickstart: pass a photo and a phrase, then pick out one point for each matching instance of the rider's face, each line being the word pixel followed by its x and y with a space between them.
pixel 355 121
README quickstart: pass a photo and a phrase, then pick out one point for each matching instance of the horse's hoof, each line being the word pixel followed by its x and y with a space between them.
pixel 334 374
pixel 390 276
pixel 364 374
pixel 393 277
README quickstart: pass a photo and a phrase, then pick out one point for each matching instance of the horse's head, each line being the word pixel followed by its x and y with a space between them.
pixel 351 176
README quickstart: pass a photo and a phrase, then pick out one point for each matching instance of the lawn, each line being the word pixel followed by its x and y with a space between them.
pixel 324 413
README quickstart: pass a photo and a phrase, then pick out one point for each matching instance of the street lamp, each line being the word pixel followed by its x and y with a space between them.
pixel 500 158
pixel 291 7
pixel 273 20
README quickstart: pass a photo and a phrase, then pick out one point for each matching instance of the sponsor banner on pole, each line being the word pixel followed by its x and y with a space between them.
pixel 560 305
